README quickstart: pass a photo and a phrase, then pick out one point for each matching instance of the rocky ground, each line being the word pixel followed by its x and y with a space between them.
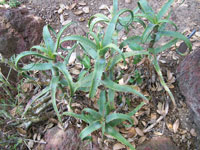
pixel 177 126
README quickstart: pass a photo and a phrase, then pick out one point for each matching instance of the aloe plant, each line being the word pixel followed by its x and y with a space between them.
pixel 104 119
pixel 154 30
pixel 49 54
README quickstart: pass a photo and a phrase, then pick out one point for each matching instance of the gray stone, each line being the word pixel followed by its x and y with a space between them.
pixel 158 143
pixel 188 75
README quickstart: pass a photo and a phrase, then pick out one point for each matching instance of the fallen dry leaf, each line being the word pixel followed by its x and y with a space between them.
pixel 131 132
pixel 139 132
pixel 118 146
pixel 193 132
pixel 141 139
pixel 176 125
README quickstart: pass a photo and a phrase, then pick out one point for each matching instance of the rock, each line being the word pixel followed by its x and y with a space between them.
pixel 158 143
pixel 82 3
pixel 58 139
pixel 79 12
pixel 60 11
pixel 103 7
pixel 86 9
pixel 188 76
pixel 62 18
pixel 19 31
pixel 128 1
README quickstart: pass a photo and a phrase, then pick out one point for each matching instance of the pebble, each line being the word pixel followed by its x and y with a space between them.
pixel 103 7
pixel 62 6
pixel 79 12
pixel 61 18
pixel 60 11
pixel 128 1
pixel 66 22
pixel 82 3
pixel 86 9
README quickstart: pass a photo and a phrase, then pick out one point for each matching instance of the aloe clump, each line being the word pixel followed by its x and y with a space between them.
pixel 104 119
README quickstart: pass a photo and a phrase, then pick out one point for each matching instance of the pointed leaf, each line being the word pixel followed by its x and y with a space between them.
pixel 91 128
pixel 98 71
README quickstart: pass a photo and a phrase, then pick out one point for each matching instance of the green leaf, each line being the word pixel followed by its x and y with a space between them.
pixel 94 21
pixel 121 88
pixel 115 7
pixel 67 76
pixel 49 43
pixel 111 131
pixel 111 97
pixel 103 51
pixel 59 36
pixel 177 35
pixel 38 66
pixel 148 11
pixel 91 128
pixel 164 9
pixel 84 82
pixel 136 109
pixel 81 117
pixel 164 47
pixel 147 32
pixel 27 53
pixel 118 58
pixel 98 71
pixel 90 46
pixel 95 115
pixel 97 18
pixel 118 116
pixel 170 22
pixel 162 81
pixel 42 49
pixel 111 26
pixel 130 40
pixel 102 103
pixel 53 85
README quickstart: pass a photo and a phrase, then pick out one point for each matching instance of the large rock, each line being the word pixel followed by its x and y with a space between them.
pixel 19 31
pixel 58 139
pixel 158 143
pixel 188 75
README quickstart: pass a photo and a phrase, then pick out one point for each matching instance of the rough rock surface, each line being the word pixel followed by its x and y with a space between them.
pixel 58 139
pixel 158 143
pixel 188 75
pixel 19 31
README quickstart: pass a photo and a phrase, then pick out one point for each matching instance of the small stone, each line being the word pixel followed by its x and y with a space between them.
pixel 128 1
pixel 66 22
pixel 62 6
pixel 103 7
pixel 81 19
pixel 60 11
pixel 72 6
pixel 67 7
pixel 86 9
pixel 193 132
pixel 82 3
pixel 159 143
pixel 79 12
pixel 62 18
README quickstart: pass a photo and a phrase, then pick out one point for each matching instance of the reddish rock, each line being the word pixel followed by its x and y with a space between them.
pixel 19 31
pixel 58 139
pixel 188 75
pixel 158 143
